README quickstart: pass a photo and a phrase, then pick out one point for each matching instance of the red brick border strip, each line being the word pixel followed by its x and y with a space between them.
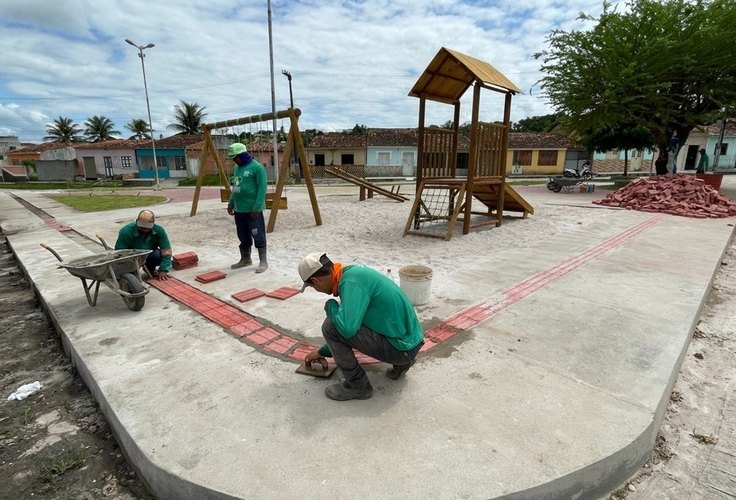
pixel 273 342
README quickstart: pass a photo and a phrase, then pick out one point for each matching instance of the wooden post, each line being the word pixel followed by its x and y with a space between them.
pixel 307 172
pixel 472 159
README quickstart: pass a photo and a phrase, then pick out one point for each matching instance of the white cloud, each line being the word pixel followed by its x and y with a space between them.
pixel 352 61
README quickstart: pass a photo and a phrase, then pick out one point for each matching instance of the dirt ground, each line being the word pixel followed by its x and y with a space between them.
pixel 54 444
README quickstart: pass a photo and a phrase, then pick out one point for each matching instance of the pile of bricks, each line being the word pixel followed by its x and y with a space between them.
pixel 683 195
pixel 185 260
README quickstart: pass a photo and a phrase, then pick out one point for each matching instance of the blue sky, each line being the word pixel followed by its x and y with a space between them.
pixel 352 61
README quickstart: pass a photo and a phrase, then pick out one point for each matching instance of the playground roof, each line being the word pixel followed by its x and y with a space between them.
pixel 451 73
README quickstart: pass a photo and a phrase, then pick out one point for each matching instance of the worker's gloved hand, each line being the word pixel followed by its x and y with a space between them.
pixel 162 275
pixel 315 357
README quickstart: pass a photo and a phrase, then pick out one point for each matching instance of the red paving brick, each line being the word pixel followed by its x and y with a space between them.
pixel 283 293
pixel 281 345
pixel 440 333
pixel 302 350
pixel 249 294
pixel 211 276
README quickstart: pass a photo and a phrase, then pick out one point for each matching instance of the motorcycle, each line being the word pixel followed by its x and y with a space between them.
pixel 585 172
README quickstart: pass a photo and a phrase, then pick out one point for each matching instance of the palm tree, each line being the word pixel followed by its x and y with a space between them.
pixel 63 130
pixel 99 128
pixel 140 129
pixel 188 118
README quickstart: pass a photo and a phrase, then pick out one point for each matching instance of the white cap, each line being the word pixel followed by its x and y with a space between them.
pixel 145 219
pixel 310 264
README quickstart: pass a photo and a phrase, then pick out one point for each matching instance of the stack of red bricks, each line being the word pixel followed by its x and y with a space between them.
pixel 683 195
pixel 185 260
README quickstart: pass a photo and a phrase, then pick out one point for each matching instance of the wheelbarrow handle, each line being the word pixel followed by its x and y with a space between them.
pixel 44 245
pixel 104 243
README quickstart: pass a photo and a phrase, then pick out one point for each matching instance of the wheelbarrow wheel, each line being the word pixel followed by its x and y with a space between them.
pixel 554 186
pixel 131 284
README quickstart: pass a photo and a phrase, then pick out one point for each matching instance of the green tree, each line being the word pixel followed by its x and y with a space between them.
pixel 140 129
pixel 543 123
pixel 99 128
pixel 664 66
pixel 63 130
pixel 188 118
pixel 358 130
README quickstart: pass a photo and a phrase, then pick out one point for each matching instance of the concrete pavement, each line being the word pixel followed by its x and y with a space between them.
pixel 547 378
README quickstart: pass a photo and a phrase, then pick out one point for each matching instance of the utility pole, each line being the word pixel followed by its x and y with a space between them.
pixel 295 160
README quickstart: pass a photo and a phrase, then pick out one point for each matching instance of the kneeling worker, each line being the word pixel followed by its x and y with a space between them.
pixel 373 316
pixel 144 234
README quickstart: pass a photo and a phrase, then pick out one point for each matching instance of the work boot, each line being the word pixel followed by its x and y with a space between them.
pixel 397 371
pixel 244 259
pixel 345 391
pixel 263 264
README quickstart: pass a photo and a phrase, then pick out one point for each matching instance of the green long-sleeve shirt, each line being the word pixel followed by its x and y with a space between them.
pixel 370 298
pixel 249 183
pixel 130 237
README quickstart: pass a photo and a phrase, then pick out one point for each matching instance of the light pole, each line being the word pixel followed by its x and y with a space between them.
pixel 293 152
pixel 141 48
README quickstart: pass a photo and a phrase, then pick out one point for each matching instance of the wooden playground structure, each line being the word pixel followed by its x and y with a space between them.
pixel 294 140
pixel 441 197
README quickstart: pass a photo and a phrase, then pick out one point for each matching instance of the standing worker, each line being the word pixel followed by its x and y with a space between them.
pixel 373 317
pixel 704 162
pixel 144 234
pixel 247 203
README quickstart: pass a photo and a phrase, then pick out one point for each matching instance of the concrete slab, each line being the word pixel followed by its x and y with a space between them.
pixel 557 390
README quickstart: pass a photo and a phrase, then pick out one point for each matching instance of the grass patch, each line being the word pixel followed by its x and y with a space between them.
pixel 99 203
pixel 528 182
pixel 209 180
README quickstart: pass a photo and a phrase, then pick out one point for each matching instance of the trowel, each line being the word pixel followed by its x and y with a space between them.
pixel 316 368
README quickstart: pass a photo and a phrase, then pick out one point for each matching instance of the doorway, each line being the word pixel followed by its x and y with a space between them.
pixel 692 154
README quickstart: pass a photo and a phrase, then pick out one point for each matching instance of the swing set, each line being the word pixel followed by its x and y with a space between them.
pixel 294 140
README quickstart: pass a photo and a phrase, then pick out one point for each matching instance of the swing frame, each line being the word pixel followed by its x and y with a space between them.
pixel 294 140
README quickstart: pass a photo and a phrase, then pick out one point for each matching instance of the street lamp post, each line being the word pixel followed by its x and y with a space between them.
pixel 141 48
pixel 293 152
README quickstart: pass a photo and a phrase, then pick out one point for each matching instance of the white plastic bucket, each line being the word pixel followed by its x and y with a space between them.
pixel 416 282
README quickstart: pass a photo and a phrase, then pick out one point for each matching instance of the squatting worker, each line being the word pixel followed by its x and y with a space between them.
pixel 373 316
pixel 247 203
pixel 144 234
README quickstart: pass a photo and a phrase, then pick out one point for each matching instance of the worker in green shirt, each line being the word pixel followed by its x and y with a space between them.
pixel 704 162
pixel 144 234
pixel 373 317
pixel 247 203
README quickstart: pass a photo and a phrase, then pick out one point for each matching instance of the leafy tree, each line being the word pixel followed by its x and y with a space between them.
pixel 140 129
pixel 358 130
pixel 99 128
pixel 662 65
pixel 543 123
pixel 63 130
pixel 188 118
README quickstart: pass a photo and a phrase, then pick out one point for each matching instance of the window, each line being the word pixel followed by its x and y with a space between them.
pixel 724 148
pixel 548 157
pixel 126 162
pixel 180 163
pixel 522 157
pixel 347 159
pixel 319 160
pixel 384 159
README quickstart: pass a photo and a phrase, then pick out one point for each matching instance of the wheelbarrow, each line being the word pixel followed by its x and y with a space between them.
pixel 557 184
pixel 118 269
